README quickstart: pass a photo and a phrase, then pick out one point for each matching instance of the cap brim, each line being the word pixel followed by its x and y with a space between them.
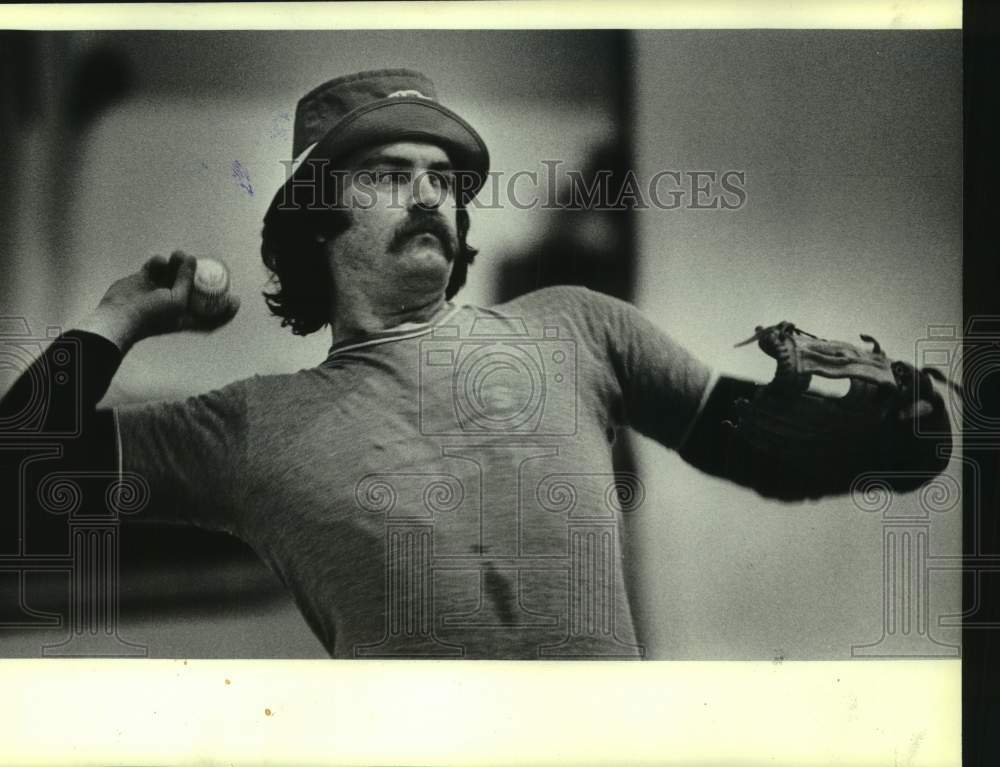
pixel 403 119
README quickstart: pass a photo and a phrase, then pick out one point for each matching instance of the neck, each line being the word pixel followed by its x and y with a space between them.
pixel 359 316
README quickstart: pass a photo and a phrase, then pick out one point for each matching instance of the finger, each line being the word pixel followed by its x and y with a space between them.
pixel 184 266
pixel 177 260
pixel 157 271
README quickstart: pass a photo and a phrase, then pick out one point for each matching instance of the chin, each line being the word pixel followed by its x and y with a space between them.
pixel 430 256
pixel 426 267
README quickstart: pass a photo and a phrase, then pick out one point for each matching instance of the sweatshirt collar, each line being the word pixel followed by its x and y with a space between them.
pixel 397 333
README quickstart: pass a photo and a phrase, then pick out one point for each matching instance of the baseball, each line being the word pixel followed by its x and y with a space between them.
pixel 210 287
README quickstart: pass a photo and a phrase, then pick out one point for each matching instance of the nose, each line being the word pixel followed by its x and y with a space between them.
pixel 427 192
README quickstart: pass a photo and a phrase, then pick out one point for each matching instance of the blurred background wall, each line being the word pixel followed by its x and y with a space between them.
pixel 123 145
pixel 851 144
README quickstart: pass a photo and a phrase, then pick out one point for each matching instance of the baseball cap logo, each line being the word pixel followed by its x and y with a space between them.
pixel 408 94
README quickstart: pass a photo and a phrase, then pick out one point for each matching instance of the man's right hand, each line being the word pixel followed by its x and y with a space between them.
pixel 153 301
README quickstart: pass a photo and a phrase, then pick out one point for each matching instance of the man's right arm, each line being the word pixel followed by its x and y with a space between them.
pixel 74 373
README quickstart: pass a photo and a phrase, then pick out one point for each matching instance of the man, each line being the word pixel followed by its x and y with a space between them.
pixel 441 485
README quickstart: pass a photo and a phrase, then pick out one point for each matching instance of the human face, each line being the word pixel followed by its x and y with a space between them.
pixel 401 240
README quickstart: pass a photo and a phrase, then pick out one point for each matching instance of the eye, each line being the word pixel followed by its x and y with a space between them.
pixel 446 179
pixel 441 180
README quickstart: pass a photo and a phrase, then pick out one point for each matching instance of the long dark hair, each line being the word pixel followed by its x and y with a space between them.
pixel 302 294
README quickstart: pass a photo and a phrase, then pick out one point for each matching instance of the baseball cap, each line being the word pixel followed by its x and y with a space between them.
pixel 379 107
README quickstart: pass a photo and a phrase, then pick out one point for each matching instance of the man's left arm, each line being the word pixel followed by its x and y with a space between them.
pixel 781 439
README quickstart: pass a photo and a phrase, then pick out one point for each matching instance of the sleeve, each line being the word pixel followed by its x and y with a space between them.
pixel 50 428
pixel 662 385
pixel 191 453
pixel 57 394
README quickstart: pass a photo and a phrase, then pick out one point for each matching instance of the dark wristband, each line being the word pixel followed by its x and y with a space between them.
pixel 706 447
pixel 61 388
pixel 50 425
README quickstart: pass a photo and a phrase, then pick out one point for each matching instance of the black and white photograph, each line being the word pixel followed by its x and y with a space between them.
pixel 484 344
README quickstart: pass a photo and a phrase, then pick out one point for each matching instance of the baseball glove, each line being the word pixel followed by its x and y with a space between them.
pixel 789 442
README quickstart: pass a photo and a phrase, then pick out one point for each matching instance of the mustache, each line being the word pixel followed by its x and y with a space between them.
pixel 420 223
